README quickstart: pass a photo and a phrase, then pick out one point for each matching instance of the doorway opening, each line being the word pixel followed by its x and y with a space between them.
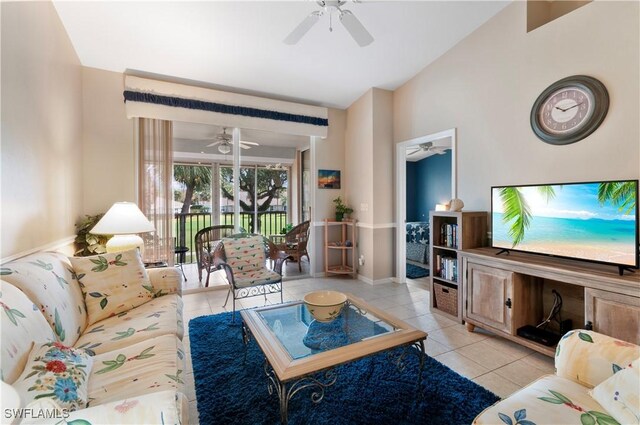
pixel 425 181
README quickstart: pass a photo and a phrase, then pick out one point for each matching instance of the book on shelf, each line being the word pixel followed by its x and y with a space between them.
pixel 449 235
pixel 447 267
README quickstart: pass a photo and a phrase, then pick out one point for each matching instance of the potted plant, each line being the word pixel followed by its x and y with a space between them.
pixel 341 209
pixel 88 243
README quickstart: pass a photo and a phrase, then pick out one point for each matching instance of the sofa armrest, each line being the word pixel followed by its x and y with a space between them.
pixel 588 357
pixel 165 280
pixel 163 407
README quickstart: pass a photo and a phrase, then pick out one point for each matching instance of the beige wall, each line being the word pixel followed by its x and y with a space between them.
pixel 329 154
pixel 358 180
pixel 358 157
pixel 108 164
pixel 383 186
pixel 369 179
pixel 41 129
pixel 383 154
pixel 485 86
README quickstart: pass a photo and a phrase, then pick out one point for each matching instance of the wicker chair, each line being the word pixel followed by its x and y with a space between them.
pixel 243 258
pixel 294 243
pixel 206 241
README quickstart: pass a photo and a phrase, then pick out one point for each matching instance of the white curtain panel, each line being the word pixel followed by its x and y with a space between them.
pixel 155 177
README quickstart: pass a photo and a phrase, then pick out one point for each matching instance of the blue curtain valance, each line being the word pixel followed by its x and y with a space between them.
pixel 179 102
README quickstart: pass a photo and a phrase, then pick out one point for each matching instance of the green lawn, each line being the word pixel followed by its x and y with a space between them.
pixel 272 224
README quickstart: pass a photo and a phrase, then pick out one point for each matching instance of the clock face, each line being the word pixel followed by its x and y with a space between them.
pixel 566 110
pixel 569 110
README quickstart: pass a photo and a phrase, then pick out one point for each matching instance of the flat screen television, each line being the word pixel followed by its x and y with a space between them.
pixel 594 221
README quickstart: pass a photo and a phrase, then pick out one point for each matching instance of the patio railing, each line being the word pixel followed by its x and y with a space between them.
pixel 269 223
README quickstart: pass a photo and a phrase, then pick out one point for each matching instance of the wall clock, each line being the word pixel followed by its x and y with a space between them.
pixel 569 110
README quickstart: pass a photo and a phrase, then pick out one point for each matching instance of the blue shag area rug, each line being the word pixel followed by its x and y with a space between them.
pixel 368 391
pixel 416 272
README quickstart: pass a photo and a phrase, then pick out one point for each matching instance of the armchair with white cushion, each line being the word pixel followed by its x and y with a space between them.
pixel 243 258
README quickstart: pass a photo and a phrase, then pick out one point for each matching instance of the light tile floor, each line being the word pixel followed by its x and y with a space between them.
pixel 497 364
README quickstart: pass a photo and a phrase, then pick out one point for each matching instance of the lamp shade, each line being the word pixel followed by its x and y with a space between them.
pixel 123 218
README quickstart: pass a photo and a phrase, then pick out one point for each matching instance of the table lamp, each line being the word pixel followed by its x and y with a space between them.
pixel 123 221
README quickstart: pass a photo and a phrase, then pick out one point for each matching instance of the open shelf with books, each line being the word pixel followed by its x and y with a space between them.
pixel 452 231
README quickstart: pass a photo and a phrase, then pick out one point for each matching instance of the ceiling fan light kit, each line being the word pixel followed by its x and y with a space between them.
pixel 224 142
pixel 353 26
pixel 224 149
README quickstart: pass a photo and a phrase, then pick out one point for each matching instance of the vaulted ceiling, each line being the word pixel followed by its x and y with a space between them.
pixel 237 45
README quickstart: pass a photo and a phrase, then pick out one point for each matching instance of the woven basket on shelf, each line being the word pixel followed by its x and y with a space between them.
pixel 446 298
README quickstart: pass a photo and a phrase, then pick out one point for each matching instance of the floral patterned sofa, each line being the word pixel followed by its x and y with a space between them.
pixel 137 355
pixel 597 381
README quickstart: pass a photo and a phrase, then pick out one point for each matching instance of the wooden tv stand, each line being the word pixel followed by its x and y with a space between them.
pixel 503 293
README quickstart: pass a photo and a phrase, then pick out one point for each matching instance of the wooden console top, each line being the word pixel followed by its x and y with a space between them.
pixel 590 275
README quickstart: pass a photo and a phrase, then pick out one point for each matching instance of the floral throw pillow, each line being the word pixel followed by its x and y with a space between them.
pixel 620 394
pixel 112 283
pixel 58 372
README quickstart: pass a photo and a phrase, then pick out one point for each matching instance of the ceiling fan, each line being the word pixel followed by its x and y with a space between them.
pixel 225 142
pixel 348 20
pixel 428 147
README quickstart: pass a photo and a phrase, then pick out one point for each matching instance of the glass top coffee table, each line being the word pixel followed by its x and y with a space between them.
pixel 302 352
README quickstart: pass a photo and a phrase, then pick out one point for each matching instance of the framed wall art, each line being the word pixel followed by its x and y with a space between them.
pixel 328 179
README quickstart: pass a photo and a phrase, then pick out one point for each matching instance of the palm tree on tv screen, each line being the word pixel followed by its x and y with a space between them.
pixel 620 194
pixel 517 210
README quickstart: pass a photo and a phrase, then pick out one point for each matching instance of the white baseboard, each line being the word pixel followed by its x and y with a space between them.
pixel 375 282
pixel 362 278
pixel 53 246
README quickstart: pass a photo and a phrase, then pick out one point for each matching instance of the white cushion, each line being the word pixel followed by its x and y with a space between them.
pixel 620 394
pixel 112 283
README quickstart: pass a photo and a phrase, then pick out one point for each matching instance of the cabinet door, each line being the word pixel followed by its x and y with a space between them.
pixel 489 294
pixel 612 314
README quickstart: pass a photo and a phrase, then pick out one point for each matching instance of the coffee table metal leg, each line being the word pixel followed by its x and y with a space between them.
pixel 287 390
pixel 280 388
pixel 246 337
pixel 421 357
pixel 398 358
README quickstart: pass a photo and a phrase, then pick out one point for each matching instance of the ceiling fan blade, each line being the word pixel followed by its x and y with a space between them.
pixel 244 147
pixel 249 143
pixel 214 143
pixel 355 28
pixel 414 152
pixel 302 28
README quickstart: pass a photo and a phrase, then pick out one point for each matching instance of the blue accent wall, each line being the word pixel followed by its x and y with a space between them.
pixel 428 184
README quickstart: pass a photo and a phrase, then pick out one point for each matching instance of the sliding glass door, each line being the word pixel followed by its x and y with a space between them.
pixel 262 201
